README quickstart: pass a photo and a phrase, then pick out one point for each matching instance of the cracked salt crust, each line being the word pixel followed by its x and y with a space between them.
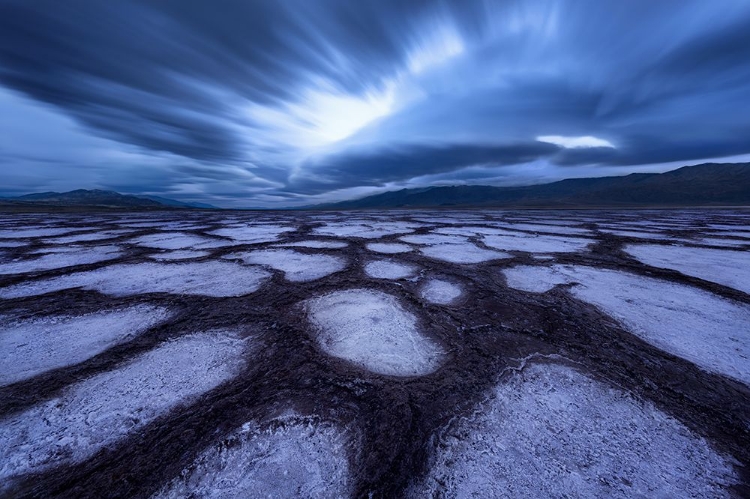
pixel 296 266
pixel 386 269
pixel 33 346
pixel 213 278
pixel 440 292
pixel 68 257
pixel 298 458
pixel 553 432
pixel 99 411
pixel 727 267
pixel 710 331
pixel 372 330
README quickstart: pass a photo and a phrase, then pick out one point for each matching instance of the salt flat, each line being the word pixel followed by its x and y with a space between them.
pixel 409 353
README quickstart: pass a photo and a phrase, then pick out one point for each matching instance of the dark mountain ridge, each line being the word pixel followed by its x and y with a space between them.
pixel 708 184
pixel 96 198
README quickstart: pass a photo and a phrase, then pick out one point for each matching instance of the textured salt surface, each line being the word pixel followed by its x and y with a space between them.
pixel 705 329
pixel 36 232
pixel 66 258
pixel 315 244
pixel 549 228
pixel 433 239
pixel 636 234
pixel 537 243
pixel 730 268
pixel 12 244
pixel 180 255
pixel 462 253
pixel 372 330
pixel 177 240
pixel 253 234
pixel 363 229
pixel 440 292
pixel 385 269
pixel 91 236
pixel 99 411
pixel 204 278
pixel 296 459
pixel 388 248
pixel 297 267
pixel 552 432
pixel 31 347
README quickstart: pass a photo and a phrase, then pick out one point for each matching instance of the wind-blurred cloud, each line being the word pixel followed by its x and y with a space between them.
pixel 267 102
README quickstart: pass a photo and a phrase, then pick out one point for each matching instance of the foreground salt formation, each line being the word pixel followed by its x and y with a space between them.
pixel 553 432
pixel 440 292
pixel 386 269
pixel 31 347
pixel 101 410
pixel 214 278
pixel 296 266
pixel 730 268
pixel 372 330
pixel 60 259
pixel 703 328
pixel 298 458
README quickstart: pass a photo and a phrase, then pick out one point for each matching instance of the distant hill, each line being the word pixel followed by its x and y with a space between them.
pixel 179 204
pixel 709 184
pixel 95 198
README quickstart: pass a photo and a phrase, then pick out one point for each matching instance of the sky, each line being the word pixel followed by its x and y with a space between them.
pixel 275 103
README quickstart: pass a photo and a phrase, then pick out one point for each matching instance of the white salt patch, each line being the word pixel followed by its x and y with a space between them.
pixel 91 236
pixel 315 244
pixel 385 269
pixel 253 234
pixel 58 249
pixel 31 347
pixel 177 240
pixel 740 233
pixel 733 243
pixel 687 322
pixel 472 230
pixel 102 410
pixel 67 258
pixel 388 248
pixel 462 253
pixel 180 255
pixel 433 239
pixel 297 267
pixel 553 432
pixel 12 244
pixel 730 268
pixel 364 229
pixel 440 292
pixel 536 279
pixel 372 330
pixel 297 459
pixel 35 232
pixel 214 278
pixel 547 228
pixel 638 234
pixel 535 243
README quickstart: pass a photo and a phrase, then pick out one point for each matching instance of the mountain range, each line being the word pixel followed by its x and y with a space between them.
pixel 708 184
pixel 83 198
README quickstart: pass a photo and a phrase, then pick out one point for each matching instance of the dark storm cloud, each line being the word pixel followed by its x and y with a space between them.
pixel 240 91
pixel 396 163
pixel 159 73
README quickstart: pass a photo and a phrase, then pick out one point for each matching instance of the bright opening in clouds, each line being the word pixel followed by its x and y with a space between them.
pixel 272 104
pixel 574 142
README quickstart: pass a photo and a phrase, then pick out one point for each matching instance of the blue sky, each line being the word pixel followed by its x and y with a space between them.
pixel 282 103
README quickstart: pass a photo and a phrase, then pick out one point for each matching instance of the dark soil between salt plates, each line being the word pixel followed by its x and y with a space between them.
pixel 391 430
